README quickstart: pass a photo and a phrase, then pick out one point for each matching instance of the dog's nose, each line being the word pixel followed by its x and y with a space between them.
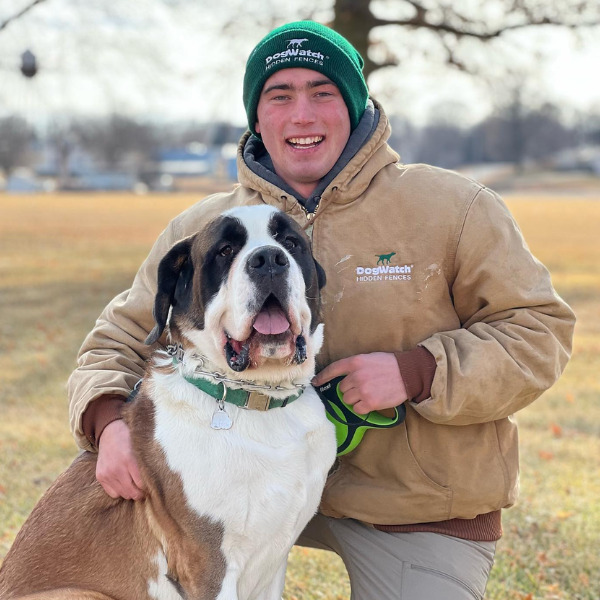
pixel 268 261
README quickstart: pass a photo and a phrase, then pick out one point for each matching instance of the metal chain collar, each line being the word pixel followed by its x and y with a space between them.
pixel 176 351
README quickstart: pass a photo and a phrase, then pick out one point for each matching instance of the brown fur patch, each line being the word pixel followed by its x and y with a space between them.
pixel 78 537
pixel 192 543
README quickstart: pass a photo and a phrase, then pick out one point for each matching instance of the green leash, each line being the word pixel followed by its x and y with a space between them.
pixel 349 426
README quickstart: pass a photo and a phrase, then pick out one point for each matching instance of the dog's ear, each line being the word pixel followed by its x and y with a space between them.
pixel 169 270
pixel 314 302
pixel 321 277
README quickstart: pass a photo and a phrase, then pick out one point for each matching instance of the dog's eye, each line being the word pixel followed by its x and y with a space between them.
pixel 290 243
pixel 226 250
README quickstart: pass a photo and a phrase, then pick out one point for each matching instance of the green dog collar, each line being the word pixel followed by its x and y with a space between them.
pixel 253 400
pixel 242 398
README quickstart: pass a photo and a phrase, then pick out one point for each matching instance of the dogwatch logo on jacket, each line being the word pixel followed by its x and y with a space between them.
pixel 384 270
pixel 295 53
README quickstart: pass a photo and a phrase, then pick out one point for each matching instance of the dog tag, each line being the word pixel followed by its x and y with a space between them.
pixel 220 419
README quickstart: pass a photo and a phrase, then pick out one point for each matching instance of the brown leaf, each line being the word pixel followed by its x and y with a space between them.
pixel 561 515
pixel 584 578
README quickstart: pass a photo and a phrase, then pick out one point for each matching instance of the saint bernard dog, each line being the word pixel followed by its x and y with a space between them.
pixel 231 439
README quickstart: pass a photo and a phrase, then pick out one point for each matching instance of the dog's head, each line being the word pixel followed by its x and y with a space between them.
pixel 245 291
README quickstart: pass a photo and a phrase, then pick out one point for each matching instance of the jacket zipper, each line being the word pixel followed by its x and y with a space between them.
pixel 310 215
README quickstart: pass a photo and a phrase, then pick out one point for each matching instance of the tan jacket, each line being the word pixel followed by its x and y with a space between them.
pixel 414 255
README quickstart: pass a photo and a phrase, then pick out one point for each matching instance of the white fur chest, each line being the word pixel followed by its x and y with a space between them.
pixel 262 479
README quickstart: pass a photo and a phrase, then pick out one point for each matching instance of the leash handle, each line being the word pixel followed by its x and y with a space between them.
pixel 349 426
pixel 332 397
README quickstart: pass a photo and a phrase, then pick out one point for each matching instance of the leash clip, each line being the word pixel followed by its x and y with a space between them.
pixel 176 351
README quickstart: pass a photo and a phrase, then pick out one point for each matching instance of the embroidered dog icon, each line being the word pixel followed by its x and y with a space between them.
pixel 296 43
pixel 384 259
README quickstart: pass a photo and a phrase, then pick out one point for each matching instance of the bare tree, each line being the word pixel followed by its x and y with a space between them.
pixel 15 138
pixel 117 139
pixel 451 23
pixel 19 14
pixel 383 30
pixel 123 68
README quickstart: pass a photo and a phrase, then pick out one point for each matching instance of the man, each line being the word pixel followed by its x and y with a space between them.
pixel 433 300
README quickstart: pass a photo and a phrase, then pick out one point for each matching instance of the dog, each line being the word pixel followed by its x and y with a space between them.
pixel 232 442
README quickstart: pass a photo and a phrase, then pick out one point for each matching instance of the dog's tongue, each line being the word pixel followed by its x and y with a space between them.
pixel 271 320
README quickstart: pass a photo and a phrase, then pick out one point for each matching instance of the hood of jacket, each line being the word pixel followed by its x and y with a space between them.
pixel 350 182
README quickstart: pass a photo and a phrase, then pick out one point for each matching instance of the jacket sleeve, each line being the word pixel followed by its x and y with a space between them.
pixel 113 355
pixel 516 332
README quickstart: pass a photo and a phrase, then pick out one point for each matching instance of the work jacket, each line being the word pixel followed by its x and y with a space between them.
pixel 415 256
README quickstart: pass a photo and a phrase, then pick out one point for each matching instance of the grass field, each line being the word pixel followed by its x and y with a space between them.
pixel 63 257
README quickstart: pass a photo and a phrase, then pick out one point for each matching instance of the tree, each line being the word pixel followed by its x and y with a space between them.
pixel 15 139
pixel 123 68
pixel 367 23
pixel 116 139
pixel 6 22
pixel 451 24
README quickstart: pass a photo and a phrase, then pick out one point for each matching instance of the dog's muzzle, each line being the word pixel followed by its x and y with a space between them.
pixel 268 269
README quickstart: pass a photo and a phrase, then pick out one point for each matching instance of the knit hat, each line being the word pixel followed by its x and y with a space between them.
pixel 308 45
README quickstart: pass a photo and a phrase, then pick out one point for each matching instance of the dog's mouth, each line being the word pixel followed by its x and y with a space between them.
pixel 271 336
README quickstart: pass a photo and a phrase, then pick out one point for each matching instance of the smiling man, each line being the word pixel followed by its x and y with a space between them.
pixel 433 301
pixel 304 124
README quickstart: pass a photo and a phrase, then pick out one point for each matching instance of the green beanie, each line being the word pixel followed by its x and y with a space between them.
pixel 308 45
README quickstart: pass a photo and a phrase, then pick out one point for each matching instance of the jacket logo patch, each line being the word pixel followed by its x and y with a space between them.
pixel 384 258
pixel 383 270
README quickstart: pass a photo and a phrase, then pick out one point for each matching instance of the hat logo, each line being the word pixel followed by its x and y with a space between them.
pixel 294 54
pixel 296 43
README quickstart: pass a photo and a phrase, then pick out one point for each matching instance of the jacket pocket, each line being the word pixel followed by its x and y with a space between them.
pixel 382 483
pixel 468 458
pixel 413 463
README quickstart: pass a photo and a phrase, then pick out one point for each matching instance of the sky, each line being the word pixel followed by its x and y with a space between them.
pixel 142 59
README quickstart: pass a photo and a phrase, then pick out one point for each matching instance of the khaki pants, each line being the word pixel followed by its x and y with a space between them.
pixel 403 566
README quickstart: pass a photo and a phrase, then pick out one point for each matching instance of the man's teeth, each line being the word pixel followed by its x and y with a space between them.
pixel 306 141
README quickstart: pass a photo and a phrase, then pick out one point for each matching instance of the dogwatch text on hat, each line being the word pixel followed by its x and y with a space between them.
pixel 294 53
pixel 383 270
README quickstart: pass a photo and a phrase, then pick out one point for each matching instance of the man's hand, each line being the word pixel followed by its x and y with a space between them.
pixel 116 469
pixel 372 382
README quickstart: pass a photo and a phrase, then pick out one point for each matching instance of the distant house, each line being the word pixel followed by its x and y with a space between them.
pixel 109 181
pixel 188 162
pixel 582 158
pixel 188 168
pixel 23 180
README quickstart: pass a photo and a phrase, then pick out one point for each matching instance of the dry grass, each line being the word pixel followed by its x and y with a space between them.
pixel 63 257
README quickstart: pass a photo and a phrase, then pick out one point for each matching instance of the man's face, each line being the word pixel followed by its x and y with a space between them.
pixel 304 124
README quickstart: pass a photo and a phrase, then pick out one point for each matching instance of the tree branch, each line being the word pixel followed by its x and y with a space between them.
pixel 419 20
pixel 18 15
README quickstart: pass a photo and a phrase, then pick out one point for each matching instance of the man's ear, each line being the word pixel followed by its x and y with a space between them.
pixel 169 270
